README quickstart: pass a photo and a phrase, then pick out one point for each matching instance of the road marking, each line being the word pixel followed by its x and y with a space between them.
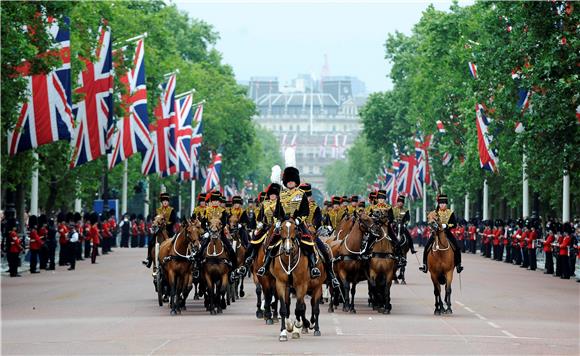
pixel 512 336
pixel 492 324
pixel 458 302
pixel 337 328
pixel 159 347
pixel 469 309
pixel 338 331
pixel 480 316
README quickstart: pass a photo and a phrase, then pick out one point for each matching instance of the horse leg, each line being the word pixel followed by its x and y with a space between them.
pixel 402 275
pixel 259 312
pixel 437 293
pixel 173 288
pixel 178 291
pixel 448 294
pixel 345 289
pixel 315 304
pixel 242 293
pixel 281 292
pixel 352 310
pixel 388 283
pixel 268 295
pixel 221 289
pixel 210 294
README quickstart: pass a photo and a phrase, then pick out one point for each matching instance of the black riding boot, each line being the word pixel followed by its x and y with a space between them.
pixel 327 263
pixel 314 271
pixel 425 253
pixel 147 262
pixel 456 254
pixel 367 245
pixel 266 266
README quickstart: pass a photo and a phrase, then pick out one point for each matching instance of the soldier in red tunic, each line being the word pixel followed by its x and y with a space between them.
pixel 564 247
pixel 62 231
pixel 94 237
pixel 547 246
pixel 35 243
pixel 14 248
pixel 472 232
pixel 532 237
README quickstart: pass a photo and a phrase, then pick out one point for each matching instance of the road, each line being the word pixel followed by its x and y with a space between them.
pixel 111 308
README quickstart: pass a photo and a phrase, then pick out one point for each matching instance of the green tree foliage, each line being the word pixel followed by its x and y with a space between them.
pixel 538 40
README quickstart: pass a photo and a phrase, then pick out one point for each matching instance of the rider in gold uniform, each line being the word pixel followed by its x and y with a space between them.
pixel 382 209
pixel 335 214
pixel 170 218
pixel 447 219
pixel 199 211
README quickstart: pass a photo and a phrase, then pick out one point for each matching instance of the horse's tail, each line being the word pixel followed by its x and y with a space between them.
pixel 441 279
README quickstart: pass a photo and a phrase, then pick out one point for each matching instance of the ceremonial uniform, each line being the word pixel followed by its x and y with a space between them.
pixel 94 237
pixel 524 249
pixel 472 232
pixel 241 217
pixel 170 218
pixel 564 250
pixel 447 219
pixel 549 263
pixel 516 251
pixel 62 240
pixel 35 243
pixel 335 214
pixel 43 233
pixel 382 210
pixel 14 249
pixel 199 211
pixel 532 237
pixel 401 218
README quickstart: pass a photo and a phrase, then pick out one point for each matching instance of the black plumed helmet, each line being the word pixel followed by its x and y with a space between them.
pixel 273 188
pixel 291 174
pixel 32 221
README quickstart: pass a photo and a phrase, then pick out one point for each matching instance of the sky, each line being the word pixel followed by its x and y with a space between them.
pixel 282 39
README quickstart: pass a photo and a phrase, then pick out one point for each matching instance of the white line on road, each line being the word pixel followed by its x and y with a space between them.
pixel 469 309
pixel 159 347
pixel 481 317
pixel 458 302
pixel 493 325
pixel 512 336
pixel 338 331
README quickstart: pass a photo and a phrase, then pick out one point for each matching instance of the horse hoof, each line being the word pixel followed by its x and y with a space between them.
pixel 242 293
pixel 269 322
pixel 296 335
pixel 437 312
pixel 380 310
pixel 403 282
pixel 317 333
pixel 396 281
pixel 259 314
pixel 448 311
pixel 305 330
pixel 283 336
pixel 172 312
pixel 353 311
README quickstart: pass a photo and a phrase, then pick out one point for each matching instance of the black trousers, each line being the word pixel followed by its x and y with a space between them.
pixel 549 264
pixel 573 263
pixel 79 250
pixel 473 246
pixel 508 253
pixel 525 257
pixel 33 260
pixel 565 263
pixel 94 253
pixel 134 240
pixel 532 259
pixel 43 256
pixel 51 255
pixel 13 260
pixel 517 255
pixel 72 250
pixel 124 240
pixel 87 248
pixel 63 255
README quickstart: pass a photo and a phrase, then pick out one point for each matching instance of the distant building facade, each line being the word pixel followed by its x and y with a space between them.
pixel 320 119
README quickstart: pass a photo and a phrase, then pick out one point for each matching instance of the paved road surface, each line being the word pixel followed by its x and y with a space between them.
pixel 111 308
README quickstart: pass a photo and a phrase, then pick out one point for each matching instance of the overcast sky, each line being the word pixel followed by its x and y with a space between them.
pixel 283 39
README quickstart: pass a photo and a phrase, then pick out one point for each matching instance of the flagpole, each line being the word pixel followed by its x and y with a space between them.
pixel 466 207
pixel 424 201
pixel 525 188
pixel 485 200
pixel 185 93
pixel 192 195
pixel 146 202
pixel 124 192
pixel 417 213
pixel 34 186
pixel 179 199
pixel 566 196
pixel 132 39
pixel 170 73
pixel 78 202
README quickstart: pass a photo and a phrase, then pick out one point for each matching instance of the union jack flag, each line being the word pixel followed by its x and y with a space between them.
pixel 132 134
pixel 214 170
pixel 162 158
pixel 473 70
pixel 422 157
pixel 94 113
pixel 487 157
pixel 407 179
pixel 183 132
pixel 46 115
pixel 195 144
pixel 390 185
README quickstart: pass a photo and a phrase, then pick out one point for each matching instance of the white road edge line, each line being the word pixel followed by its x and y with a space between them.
pixel 458 302
pixel 480 316
pixel 159 347
pixel 510 334
pixel 469 309
pixel 338 331
pixel 493 325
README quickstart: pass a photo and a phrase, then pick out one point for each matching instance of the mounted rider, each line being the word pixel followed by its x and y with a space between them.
pixel 294 203
pixel 447 219
pixel 401 219
pixel 335 213
pixel 314 218
pixel 353 205
pixel 199 211
pixel 238 211
pixel 170 218
pixel 381 209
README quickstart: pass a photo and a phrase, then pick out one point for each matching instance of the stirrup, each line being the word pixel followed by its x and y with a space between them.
pixel 423 269
pixel 261 271
pixel 242 270
pixel 314 272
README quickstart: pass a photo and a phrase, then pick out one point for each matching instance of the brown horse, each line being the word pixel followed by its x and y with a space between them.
pixel 404 243
pixel 440 263
pixel 264 284
pixel 348 265
pixel 381 272
pixel 344 227
pixel 175 266
pixel 290 269
pixel 159 235
pixel 240 250
pixel 216 268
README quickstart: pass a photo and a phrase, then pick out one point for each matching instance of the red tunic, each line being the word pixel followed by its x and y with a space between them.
pixel 564 245
pixel 472 233
pixel 548 243
pixel 496 235
pixel 532 236
pixel 94 235
pixel 516 237
pixel 486 235
pixel 524 238
pixel 63 231
pixel 15 246
pixel 35 241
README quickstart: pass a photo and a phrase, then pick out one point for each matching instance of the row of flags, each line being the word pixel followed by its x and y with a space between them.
pixel 170 146
pixel 333 146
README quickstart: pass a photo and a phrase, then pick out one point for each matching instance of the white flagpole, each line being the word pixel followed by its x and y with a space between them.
pixel 179 200
pixel 466 208
pixel 424 201
pixel 192 195
pixel 34 186
pixel 124 189
pixel 417 213
pixel 146 202
pixel 485 200
pixel 525 189
pixel 566 197
pixel 78 202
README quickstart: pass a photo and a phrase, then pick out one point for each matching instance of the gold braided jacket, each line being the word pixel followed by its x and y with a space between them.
pixel 214 212
pixel 399 213
pixel 269 209
pixel 335 215
pixel 291 199
pixel 444 216
pixel 237 212
pixel 312 209
pixel 199 211
pixel 166 212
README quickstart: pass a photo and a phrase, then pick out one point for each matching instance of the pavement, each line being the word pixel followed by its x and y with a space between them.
pixel 111 308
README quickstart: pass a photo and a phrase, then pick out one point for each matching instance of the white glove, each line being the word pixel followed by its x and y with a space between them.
pixel 239 226
pixel 278 224
pixel 206 235
pixel 260 225
pixel 445 226
pixel 297 221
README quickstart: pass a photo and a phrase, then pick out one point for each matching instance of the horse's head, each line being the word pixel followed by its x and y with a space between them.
pixel 369 224
pixel 214 227
pixel 233 225
pixel 288 235
pixel 380 217
pixel 193 232
pixel 158 223
pixel 434 221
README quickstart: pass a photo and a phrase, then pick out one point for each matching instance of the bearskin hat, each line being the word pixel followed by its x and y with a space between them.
pixel 291 174
pixel 77 217
pixel 273 188
pixel 42 220
pixel 32 222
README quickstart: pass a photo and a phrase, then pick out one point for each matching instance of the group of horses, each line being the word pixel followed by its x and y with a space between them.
pixel 289 272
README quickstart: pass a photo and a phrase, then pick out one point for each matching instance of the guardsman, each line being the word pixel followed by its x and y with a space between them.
pixel 486 239
pixel 94 236
pixel 524 245
pixel 43 233
pixel 532 237
pixel 14 248
pixel 62 239
pixel 516 237
pixel 496 232
pixel 381 207
pixel 547 246
pixel 401 218
pixel 86 239
pixel 35 243
pixel 251 214
pixel 141 231
pixel 505 242
pixel 199 211
pixel 353 204
pixel 238 211
pixel 447 219
pixel 564 250
pixel 472 232
pixel 461 235
pixel 135 231
pixel 168 213
pixel 215 211
pixel 265 219
pixel 314 218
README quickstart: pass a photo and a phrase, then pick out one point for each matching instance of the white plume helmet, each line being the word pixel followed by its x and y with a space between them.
pixel 276 176
pixel 290 157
